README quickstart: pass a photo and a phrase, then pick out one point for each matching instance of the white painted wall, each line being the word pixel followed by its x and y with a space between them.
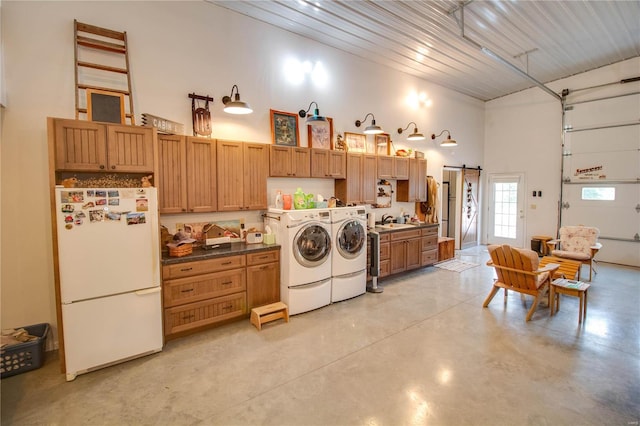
pixel 523 133
pixel 178 48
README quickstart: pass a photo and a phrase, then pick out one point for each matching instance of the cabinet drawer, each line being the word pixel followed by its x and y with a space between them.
pixel 384 251
pixel 431 230
pixel 188 269
pixel 193 289
pixel 430 242
pixel 429 257
pixel 192 315
pixel 405 235
pixel 384 237
pixel 263 257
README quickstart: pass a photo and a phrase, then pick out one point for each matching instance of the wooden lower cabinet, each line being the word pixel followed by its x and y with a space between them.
pixel 263 278
pixel 193 315
pixel 404 250
pixel 206 292
pixel 429 246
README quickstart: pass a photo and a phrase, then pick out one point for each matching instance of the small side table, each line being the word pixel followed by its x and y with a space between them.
pixel 573 288
pixel 569 269
pixel 544 250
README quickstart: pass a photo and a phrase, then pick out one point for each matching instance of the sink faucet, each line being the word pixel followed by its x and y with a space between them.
pixel 386 217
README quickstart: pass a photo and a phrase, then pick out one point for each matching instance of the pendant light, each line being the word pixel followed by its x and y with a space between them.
pixel 445 142
pixel 235 106
pixel 372 129
pixel 415 136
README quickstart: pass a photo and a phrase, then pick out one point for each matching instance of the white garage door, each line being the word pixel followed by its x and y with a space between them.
pixel 601 168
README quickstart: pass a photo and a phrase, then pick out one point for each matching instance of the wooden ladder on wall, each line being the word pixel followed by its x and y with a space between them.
pixel 101 63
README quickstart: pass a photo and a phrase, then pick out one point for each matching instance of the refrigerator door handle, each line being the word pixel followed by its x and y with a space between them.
pixel 148 291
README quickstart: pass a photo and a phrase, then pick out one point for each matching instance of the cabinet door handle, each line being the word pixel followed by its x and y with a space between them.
pixel 227 263
pixel 227 282
pixel 186 291
pixel 186 269
pixel 188 317
pixel 227 307
pixel 101 166
pixel 265 267
pixel 113 167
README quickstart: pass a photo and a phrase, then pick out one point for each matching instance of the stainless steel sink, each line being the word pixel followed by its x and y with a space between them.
pixel 395 226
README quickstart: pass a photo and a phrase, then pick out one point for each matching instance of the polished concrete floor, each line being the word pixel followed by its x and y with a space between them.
pixel 422 352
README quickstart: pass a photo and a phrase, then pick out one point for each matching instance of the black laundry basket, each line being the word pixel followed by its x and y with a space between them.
pixel 16 359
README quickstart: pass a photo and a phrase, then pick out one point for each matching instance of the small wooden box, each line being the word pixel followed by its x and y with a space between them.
pixel 181 250
pixel 446 248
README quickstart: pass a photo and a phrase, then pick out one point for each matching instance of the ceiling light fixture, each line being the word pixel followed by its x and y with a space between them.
pixel 446 142
pixel 415 136
pixel 373 129
pixel 235 106
pixel 314 119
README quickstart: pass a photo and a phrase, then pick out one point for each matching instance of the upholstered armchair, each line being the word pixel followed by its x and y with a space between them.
pixel 518 270
pixel 578 243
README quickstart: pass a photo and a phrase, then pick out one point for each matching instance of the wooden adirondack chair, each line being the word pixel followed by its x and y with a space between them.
pixel 517 270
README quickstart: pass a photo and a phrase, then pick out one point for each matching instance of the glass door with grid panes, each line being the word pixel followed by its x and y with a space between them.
pixel 506 210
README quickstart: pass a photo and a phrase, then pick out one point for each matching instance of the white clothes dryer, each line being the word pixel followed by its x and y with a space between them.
pixel 349 258
pixel 305 257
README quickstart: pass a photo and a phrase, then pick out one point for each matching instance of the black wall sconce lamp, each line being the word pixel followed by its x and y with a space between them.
pixel 233 105
pixel 314 119
pixel 445 142
pixel 415 136
pixel 373 129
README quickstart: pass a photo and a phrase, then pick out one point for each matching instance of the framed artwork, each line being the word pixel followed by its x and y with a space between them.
pixel 321 136
pixel 284 128
pixel 105 106
pixel 382 144
pixel 356 142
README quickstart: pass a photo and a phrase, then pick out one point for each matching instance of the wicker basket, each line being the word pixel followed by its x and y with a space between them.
pixel 181 250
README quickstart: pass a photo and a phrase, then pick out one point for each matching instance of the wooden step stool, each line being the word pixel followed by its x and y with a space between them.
pixel 267 313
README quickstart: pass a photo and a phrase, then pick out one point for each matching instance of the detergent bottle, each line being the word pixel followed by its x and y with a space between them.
pixel 299 199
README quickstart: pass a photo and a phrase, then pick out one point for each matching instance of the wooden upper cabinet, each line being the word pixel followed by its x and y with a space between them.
pixel 415 188
pixel 80 145
pixel 130 149
pixel 328 164
pixel 289 162
pixel 230 175
pixel 368 180
pixel 319 163
pixel 349 190
pixel 393 167
pixel 171 179
pixel 385 167
pixel 401 167
pixel 201 175
pixel 242 175
pixel 256 172
pixel 94 147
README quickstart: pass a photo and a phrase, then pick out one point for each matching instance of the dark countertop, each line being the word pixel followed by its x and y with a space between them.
pixel 233 250
pixel 404 227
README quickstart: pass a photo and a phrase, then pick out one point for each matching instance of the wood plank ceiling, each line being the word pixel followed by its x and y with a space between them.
pixel 548 40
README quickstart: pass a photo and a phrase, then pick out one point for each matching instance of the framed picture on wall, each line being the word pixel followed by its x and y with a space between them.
pixel 382 144
pixel 321 136
pixel 284 128
pixel 356 142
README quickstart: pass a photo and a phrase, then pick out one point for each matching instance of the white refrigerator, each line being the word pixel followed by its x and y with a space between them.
pixel 109 267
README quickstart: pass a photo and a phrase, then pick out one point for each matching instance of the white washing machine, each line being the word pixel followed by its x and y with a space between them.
pixel 305 257
pixel 349 258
